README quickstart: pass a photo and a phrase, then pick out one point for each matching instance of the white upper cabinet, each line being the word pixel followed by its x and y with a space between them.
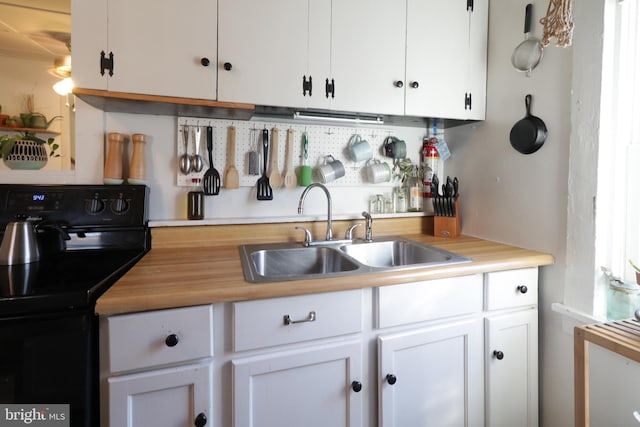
pixel 414 57
pixel 157 49
pixel 446 58
pixel 368 56
pixel 274 52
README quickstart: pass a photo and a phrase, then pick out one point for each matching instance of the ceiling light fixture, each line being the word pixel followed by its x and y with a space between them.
pixel 64 86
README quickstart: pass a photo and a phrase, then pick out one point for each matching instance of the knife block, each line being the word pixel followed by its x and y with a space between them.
pixel 447 226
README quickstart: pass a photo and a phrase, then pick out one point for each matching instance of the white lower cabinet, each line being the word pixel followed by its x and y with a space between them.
pixel 432 376
pixel 156 368
pixel 511 348
pixel 164 397
pixel 512 369
pixel 314 387
pixel 459 351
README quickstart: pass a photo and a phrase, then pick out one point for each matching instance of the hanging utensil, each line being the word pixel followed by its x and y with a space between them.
pixel 529 133
pixel 231 178
pixel 455 194
pixel 289 173
pixel 264 189
pixel 527 54
pixel 211 180
pixel 184 163
pixel 305 170
pixel 275 179
pixel 197 164
pixel 254 156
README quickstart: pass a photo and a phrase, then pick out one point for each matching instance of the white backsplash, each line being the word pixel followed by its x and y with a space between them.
pixel 168 199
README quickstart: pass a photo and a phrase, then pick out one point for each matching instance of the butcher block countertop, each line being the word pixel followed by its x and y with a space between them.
pixel 201 264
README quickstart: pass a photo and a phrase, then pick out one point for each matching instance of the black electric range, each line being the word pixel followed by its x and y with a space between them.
pixel 88 236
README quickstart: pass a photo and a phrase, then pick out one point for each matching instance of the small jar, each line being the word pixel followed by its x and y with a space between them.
pixel 401 197
pixel 195 201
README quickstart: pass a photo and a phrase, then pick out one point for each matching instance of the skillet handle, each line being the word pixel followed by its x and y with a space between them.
pixel 527 104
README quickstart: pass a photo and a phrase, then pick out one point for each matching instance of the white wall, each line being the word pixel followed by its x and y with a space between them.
pixel 524 199
pixel 168 201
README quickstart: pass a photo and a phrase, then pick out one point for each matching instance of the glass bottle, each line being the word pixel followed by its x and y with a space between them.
pixel 414 190
pixel 195 200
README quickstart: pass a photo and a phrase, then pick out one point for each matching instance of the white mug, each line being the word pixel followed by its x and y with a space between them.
pixel 359 149
pixel 377 171
pixel 331 170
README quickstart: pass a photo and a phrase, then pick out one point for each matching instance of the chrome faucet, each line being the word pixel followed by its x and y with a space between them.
pixel 368 232
pixel 326 191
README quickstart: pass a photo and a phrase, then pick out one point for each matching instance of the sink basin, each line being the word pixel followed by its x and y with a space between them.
pixel 278 262
pixel 400 253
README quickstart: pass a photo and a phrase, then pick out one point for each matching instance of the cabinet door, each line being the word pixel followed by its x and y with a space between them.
pixel 367 56
pixel 311 387
pixel 432 376
pixel 477 80
pixel 88 38
pixel 437 50
pixel 164 397
pixel 158 48
pixel 512 369
pixel 267 44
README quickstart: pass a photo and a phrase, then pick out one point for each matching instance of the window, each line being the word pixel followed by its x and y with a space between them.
pixel 618 204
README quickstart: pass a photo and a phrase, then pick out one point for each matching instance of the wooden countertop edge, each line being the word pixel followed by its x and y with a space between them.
pixel 168 277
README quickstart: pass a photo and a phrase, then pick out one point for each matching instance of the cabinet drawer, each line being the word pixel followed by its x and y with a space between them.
pixel 269 322
pixel 433 299
pixel 512 288
pixel 143 340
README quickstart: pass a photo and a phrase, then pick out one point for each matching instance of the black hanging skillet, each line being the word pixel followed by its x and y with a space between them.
pixel 529 133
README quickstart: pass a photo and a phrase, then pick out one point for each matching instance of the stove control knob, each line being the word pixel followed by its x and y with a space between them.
pixel 94 206
pixel 120 205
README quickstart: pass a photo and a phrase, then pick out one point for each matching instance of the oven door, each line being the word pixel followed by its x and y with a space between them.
pixel 50 359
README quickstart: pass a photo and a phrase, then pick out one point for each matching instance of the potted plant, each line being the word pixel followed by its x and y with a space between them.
pixel 637 269
pixel 27 151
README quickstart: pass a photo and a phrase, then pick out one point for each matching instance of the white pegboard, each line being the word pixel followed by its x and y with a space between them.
pixel 323 140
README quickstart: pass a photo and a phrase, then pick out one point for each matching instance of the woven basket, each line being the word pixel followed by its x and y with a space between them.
pixel 27 155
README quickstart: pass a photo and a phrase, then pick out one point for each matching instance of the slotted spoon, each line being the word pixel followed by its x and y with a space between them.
pixel 264 189
pixel 211 180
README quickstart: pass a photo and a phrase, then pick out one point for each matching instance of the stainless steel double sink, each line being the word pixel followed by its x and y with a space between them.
pixel 274 262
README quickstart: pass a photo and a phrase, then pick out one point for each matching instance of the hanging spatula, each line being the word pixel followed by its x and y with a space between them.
pixel 264 189
pixel 290 179
pixel 211 181
pixel 231 178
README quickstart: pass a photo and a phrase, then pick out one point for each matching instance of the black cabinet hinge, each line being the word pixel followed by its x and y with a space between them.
pixel 467 101
pixel 307 85
pixel 106 63
pixel 330 88
pixel 470 5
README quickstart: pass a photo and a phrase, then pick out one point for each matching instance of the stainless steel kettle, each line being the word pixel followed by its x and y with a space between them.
pixel 19 244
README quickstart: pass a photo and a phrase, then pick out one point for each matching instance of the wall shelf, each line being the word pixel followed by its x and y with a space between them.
pixel 134 103
pixel 29 130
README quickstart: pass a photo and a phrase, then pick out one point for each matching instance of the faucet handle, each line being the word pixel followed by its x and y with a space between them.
pixel 307 236
pixel 348 235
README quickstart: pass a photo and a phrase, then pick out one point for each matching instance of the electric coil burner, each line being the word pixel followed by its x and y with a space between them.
pixel 88 236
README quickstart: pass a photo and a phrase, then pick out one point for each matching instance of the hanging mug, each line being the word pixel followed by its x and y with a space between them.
pixel 377 171
pixel 331 170
pixel 394 148
pixel 359 149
